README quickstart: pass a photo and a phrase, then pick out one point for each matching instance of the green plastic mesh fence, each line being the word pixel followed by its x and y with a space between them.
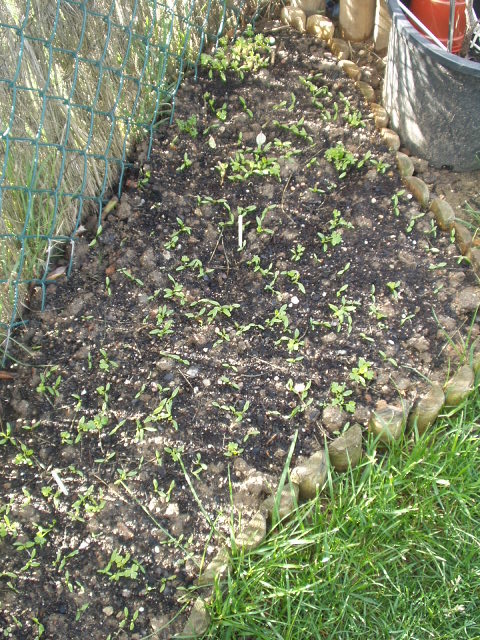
pixel 80 83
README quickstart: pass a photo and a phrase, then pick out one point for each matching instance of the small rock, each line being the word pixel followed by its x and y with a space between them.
pixel 444 214
pixel 287 503
pixel 311 475
pixel 147 259
pixel 124 531
pixel 421 165
pixel 380 115
pixel 467 300
pixel 366 90
pixel 426 410
pixel 296 18
pixel 351 69
pixel 390 138
pixel 320 27
pixel 419 343
pixel 108 611
pixel 362 414
pixel 463 238
pixel 475 259
pixel 459 387
pixel 198 621
pixel 310 6
pixel 418 189
pixel 253 534
pixel 333 418
pixel 216 569
pixel 371 76
pixel 340 49
pixel 405 165
pixel 388 423
pixel 347 449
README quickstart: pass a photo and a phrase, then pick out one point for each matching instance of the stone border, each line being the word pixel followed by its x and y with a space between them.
pixel 388 424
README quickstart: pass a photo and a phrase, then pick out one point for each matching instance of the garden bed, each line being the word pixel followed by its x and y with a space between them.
pixel 179 358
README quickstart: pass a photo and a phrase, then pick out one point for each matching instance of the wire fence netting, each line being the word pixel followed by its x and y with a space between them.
pixel 81 82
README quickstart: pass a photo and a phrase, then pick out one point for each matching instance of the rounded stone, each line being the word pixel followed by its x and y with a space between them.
pixel 367 91
pixel 418 189
pixel 351 69
pixel 320 27
pixel 346 450
pixel 340 49
pixel 390 139
pixel 426 410
pixel 216 569
pixel 380 115
pixel 463 238
pixel 309 6
pixel 253 534
pixel 333 418
pixel 467 300
pixel 198 621
pixel 405 165
pixel 295 18
pixel 311 475
pixel 444 214
pixel 460 386
pixel 475 259
pixel 388 424
pixel 286 504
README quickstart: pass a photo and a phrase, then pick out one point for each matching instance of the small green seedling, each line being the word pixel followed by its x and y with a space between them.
pixel 394 288
pixel 188 126
pixel 362 372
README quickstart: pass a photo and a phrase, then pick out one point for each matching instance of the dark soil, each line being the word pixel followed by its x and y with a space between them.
pixel 178 354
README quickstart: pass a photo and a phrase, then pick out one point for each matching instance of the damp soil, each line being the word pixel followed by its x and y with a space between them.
pixel 178 358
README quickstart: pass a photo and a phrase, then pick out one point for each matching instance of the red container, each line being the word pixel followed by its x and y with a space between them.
pixel 435 15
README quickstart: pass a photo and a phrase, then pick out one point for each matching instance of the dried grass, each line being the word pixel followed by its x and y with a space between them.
pixel 77 90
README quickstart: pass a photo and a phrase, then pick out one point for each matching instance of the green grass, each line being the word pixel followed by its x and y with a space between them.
pixel 393 552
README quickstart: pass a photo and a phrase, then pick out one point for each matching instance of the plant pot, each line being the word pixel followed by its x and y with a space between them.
pixel 432 98
pixel 435 15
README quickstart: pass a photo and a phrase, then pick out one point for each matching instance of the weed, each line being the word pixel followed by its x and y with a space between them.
pixel 343 313
pixel 297 252
pixel 105 363
pixel 393 287
pixel 279 317
pixel 175 292
pixel 48 387
pixel 297 129
pixel 301 391
pixel 237 413
pixel 121 566
pixel 396 201
pixel 164 323
pixel 185 164
pixel 129 275
pixel 374 310
pixel 251 162
pixel 244 56
pixel 362 372
pixel 339 396
pixel 188 126
pixel 244 107
pixel 232 450
pixel 212 308
pixel 293 341
pixel 342 159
